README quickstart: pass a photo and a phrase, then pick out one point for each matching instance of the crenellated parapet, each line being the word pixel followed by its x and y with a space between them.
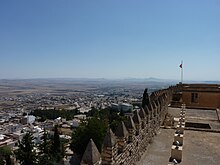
pixel 133 136
pixel 91 155
pixel 109 149
pixel 138 122
pixel 143 117
pixel 122 137
pixel 131 129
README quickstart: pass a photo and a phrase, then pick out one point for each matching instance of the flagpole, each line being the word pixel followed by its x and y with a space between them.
pixel 182 71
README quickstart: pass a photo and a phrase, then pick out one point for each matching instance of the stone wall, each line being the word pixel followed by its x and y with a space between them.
pixel 131 138
pixel 208 96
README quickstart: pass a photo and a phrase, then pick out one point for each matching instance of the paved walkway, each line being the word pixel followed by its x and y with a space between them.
pixel 158 152
pixel 200 147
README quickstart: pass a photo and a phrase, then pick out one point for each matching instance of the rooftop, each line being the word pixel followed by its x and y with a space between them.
pixel 201 143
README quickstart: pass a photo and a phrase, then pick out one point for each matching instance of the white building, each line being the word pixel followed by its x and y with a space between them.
pixel 124 107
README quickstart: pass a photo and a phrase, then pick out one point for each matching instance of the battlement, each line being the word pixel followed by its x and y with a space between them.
pixel 131 138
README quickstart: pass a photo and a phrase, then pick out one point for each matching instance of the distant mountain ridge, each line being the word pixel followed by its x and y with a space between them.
pixel 150 79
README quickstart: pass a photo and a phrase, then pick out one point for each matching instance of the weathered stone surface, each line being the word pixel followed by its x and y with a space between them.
pixel 109 140
pixel 130 124
pixel 91 155
pixel 121 130
pixel 136 118
pixel 142 113
pixel 132 137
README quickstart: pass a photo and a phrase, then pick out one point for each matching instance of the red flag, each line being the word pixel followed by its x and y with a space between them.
pixel 181 65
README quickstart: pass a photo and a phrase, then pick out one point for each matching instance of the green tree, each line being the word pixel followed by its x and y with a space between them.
pixel 145 99
pixel 51 149
pixel 53 114
pixel 57 146
pixel 95 128
pixel 93 112
pixel 45 148
pixel 26 153
pixel 56 140
pixel 5 153
pixel 116 119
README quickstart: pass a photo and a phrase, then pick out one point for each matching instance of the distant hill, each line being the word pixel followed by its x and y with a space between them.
pixel 99 80
pixel 212 82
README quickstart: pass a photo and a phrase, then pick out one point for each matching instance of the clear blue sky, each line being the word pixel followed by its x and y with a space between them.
pixel 110 39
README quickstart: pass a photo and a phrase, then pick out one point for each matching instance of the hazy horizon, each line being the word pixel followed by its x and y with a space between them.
pixel 110 39
pixel 147 79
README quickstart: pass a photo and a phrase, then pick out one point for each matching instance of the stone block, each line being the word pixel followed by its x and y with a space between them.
pixel 179 138
pixel 180 128
pixel 182 119
pixel 181 123
pixel 182 115
pixel 176 153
